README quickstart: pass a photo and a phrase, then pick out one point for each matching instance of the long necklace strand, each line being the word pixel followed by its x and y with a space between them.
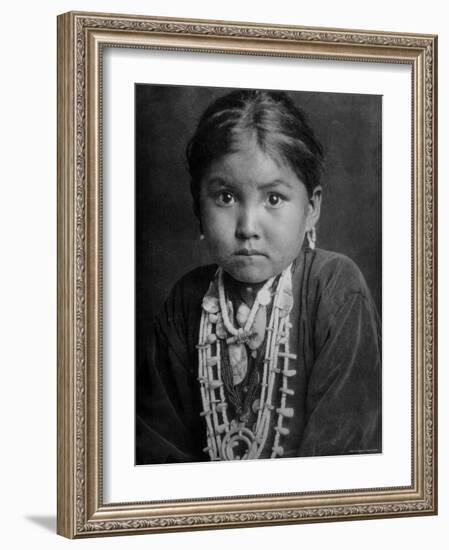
pixel 222 435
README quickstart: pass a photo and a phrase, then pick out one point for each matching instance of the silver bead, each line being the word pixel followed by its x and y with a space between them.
pixel 264 297
pixel 288 412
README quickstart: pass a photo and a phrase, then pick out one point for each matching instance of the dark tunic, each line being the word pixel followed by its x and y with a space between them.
pixel 337 386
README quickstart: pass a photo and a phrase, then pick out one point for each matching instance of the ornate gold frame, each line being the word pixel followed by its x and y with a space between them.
pixel 81 37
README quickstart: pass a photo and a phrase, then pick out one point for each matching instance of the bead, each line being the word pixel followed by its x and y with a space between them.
pixel 264 297
pixel 288 372
pixel 286 391
pixel 210 304
pixel 203 346
pixel 288 412
pixel 278 450
pixel 213 318
pixel 211 338
pixel 242 314
pixel 285 302
pixel 281 430
pixel 256 406
pixel 285 354
pixel 212 361
pixel 220 330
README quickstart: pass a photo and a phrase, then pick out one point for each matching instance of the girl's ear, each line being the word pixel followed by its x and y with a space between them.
pixel 314 208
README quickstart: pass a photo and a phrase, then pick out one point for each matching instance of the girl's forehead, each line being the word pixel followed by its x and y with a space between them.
pixel 258 178
pixel 248 162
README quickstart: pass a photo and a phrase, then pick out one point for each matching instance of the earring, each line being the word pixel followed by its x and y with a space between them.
pixel 201 237
pixel 311 238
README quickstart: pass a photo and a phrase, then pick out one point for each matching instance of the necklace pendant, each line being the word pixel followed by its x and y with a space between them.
pixel 258 329
pixel 239 444
pixel 238 360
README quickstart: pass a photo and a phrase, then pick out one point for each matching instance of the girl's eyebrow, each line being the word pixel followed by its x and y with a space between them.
pixel 276 183
pixel 218 181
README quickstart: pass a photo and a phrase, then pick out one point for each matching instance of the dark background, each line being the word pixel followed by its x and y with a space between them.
pixel 349 126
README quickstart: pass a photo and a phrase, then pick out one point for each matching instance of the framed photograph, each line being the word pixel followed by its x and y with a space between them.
pixel 246 274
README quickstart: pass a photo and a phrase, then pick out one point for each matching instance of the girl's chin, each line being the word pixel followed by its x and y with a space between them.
pixel 249 276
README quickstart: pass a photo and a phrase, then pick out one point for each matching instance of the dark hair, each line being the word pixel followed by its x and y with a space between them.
pixel 279 127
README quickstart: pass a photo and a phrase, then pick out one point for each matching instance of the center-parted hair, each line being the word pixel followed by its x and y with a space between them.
pixel 271 118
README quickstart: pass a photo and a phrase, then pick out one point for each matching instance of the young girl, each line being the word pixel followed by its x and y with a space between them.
pixel 273 351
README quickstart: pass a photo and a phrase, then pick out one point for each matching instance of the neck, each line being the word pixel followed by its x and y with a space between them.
pixel 249 292
pixel 246 291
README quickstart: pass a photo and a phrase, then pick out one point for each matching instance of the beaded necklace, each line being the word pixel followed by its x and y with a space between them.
pixel 222 349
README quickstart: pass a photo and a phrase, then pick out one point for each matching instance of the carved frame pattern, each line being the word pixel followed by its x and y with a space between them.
pixel 80 509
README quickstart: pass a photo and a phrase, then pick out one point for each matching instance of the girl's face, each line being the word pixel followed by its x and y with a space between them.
pixel 255 212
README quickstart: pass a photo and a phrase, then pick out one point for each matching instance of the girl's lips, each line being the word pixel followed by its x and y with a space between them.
pixel 249 252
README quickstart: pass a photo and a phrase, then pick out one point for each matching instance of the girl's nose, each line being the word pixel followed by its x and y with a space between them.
pixel 247 224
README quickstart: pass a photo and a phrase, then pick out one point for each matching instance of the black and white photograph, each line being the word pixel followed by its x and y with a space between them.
pixel 258 274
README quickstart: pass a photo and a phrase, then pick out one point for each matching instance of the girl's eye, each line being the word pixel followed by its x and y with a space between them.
pixel 274 200
pixel 225 198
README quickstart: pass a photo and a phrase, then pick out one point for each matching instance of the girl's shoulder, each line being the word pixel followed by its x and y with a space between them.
pixel 190 288
pixel 335 274
pixel 197 279
pixel 336 293
pixel 181 306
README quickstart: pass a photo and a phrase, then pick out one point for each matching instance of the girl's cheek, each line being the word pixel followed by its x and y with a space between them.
pixel 221 217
